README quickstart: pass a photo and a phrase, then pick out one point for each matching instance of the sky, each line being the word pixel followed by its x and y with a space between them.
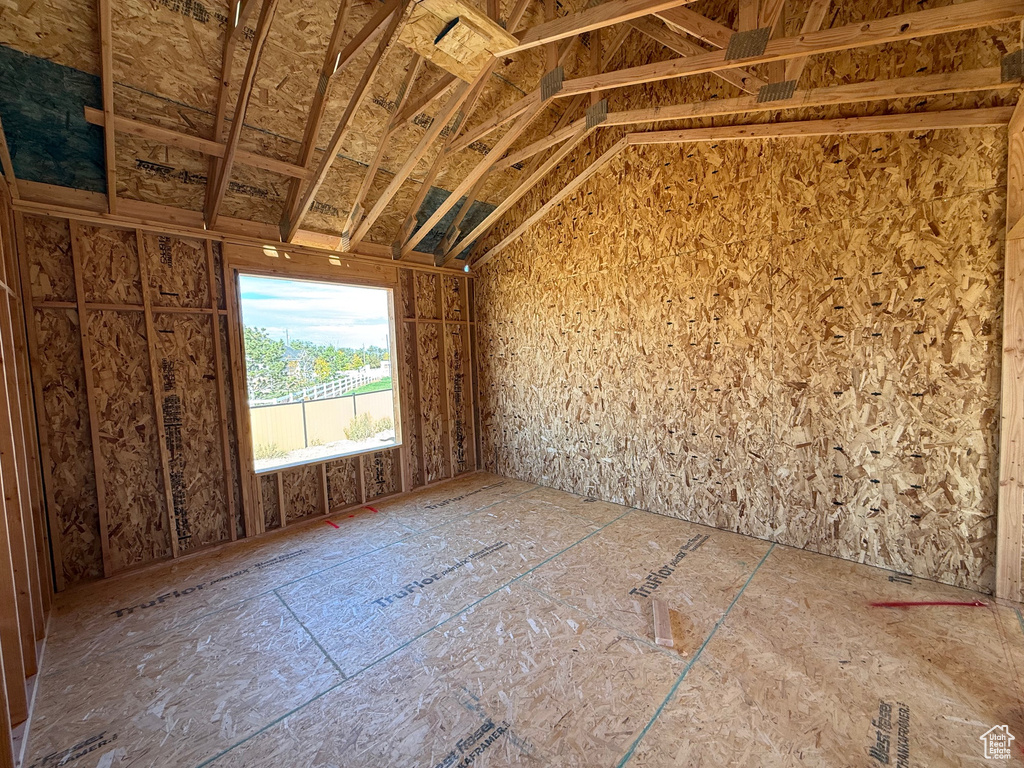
pixel 323 313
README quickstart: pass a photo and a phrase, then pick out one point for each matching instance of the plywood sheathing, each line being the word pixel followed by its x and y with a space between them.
pixel 556 636
pixel 791 339
pixel 70 448
pixel 129 449
pixel 206 479
pixel 184 347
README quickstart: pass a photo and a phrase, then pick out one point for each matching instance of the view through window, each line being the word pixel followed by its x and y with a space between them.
pixel 318 367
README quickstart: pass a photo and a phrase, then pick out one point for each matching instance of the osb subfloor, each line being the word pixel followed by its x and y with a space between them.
pixel 521 643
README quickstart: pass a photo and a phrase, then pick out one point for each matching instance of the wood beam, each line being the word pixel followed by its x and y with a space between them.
pixel 475 175
pixel 218 183
pixel 240 14
pixel 600 57
pixel 294 215
pixel 517 194
pixel 412 72
pixel 424 99
pixel 469 98
pixel 335 60
pixel 907 26
pixel 746 19
pixel 107 86
pixel 564 192
pixel 741 78
pixel 214 149
pixel 816 13
pixel 701 27
pixel 915 121
pixel 7 164
pixel 953 119
pixel 989 78
pixel 451 107
pixel 1010 518
pixel 597 17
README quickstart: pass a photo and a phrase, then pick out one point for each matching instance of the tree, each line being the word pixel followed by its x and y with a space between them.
pixel 265 367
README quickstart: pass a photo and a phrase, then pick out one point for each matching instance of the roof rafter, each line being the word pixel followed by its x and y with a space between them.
pixel 300 206
pixel 919 121
pixel 107 87
pixel 596 17
pixel 217 184
pixel 741 78
pixel 470 101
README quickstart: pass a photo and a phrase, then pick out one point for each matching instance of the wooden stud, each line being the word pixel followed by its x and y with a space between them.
pixel 90 395
pixel 596 17
pixel 417 379
pixel 442 367
pixel 281 507
pixel 218 181
pixel 11 652
pixel 360 478
pixel 325 501
pixel 252 513
pixel 1010 518
pixel 20 460
pixel 19 526
pixel 296 213
pixel 222 408
pixel 42 431
pixel 214 149
pixel 107 87
pixel 6 164
pixel 156 378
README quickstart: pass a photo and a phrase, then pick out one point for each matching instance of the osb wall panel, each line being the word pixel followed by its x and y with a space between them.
pixel 110 266
pixel 128 443
pixel 236 471
pixel 270 501
pixel 797 340
pixel 411 432
pixel 185 356
pixel 343 483
pixel 302 492
pixel 48 253
pixel 62 375
pixel 178 273
pixel 380 473
pixel 428 356
pixel 459 414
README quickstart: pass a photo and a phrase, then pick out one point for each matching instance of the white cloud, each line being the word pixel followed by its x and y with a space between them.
pixel 323 313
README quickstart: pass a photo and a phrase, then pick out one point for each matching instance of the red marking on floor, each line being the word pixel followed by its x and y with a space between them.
pixel 375 511
pixel 972 604
pixel 330 523
pixel 351 515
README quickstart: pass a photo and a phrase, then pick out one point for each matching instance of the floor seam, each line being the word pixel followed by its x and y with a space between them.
pixel 603 622
pixel 406 644
pixel 311 636
pixel 350 560
pixel 672 691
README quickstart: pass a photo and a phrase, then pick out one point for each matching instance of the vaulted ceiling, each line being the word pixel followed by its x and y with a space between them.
pixel 413 128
